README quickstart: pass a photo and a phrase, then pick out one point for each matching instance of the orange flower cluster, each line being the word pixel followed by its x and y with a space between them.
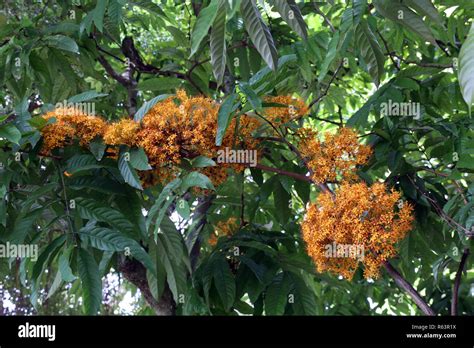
pixel 335 158
pixel 174 129
pixel 123 132
pixel 366 218
pixel 186 127
pixel 294 109
pixel 70 124
pixel 223 228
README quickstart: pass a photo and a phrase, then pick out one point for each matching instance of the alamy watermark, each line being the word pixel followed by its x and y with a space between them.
pixel 392 108
pixel 19 251
pixel 228 155
pixel 354 251
pixel 77 108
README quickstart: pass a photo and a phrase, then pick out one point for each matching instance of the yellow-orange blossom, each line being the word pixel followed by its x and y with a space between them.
pixel 185 127
pixel 176 128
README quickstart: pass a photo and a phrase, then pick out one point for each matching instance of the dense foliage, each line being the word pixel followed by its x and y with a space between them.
pixel 358 113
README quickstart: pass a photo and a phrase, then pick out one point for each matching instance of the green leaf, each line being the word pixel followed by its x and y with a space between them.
pixel 159 84
pixel 148 105
pixel 91 282
pixel 203 23
pixel 401 14
pixel 24 224
pixel 46 255
pixel 466 69
pixel 466 161
pixel 65 268
pixel 264 73
pixel 154 9
pixel 97 148
pixel 91 209
pixel 196 179
pixel 304 297
pixel 161 204
pixel 37 122
pixel 170 249
pixel 62 42
pixel 55 285
pixel 224 117
pixel 371 51
pixel 109 240
pixel 259 33
pixel 291 13
pixel 252 97
pixel 128 172
pixel 182 207
pixel 114 11
pixel 218 44
pixel 224 281
pixel 276 296
pixel 85 96
pixel 156 282
pixel 138 159
pixel 79 163
pixel 98 16
pixel 202 161
pixel 331 54
pixel 10 132
pixel 426 7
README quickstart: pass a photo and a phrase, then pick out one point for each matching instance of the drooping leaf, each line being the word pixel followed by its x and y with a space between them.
pixel 97 148
pixel 259 33
pixel 128 172
pixel 10 132
pixel 371 51
pixel 276 296
pixel 196 179
pixel 93 210
pixel 403 15
pixel 466 69
pixel 109 240
pixel 99 12
pixel 65 268
pixel 86 96
pixel 62 42
pixel 138 159
pixel 46 255
pixel 218 44
pixel 164 200
pixel 202 161
pixel 330 56
pixel 291 13
pixel 148 105
pixel 427 8
pixel 224 117
pixel 91 282
pixel 224 282
pixel 203 23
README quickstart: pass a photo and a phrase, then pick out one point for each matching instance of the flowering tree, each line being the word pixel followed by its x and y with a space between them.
pixel 237 157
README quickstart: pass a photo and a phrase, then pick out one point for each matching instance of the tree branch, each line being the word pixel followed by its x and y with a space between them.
pixel 457 282
pixel 283 172
pixel 408 288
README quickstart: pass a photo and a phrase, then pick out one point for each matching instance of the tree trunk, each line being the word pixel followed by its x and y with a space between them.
pixel 135 273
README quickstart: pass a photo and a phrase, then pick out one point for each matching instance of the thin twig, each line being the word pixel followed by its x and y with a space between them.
pixel 457 282
pixel 326 90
